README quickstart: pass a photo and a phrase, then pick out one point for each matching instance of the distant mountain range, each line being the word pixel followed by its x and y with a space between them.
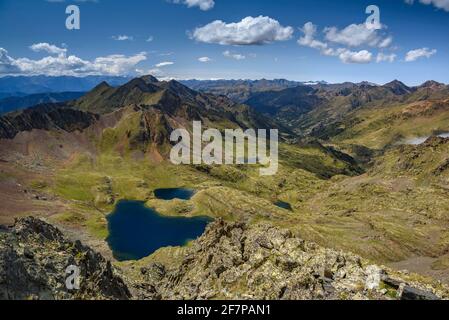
pixel 21 102
pixel 155 107
pixel 20 86
pixel 241 90
pixel 319 109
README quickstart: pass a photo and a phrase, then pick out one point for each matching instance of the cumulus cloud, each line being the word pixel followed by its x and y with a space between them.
pixel 7 64
pixel 308 40
pixel 69 65
pixel 340 42
pixel 250 31
pixel 49 48
pixel 381 57
pixel 235 56
pixel 204 5
pixel 204 59
pixel 123 38
pixel 440 4
pixel 356 35
pixel 346 55
pixel 164 64
pixel 386 42
pixel 416 54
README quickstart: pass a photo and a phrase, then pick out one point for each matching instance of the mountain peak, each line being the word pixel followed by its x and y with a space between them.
pixel 149 79
pixel 395 83
pixel 398 87
pixel 102 86
pixel 367 84
pixel 144 84
pixel 431 84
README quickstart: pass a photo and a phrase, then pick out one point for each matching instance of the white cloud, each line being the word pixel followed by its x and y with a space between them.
pixel 150 39
pixel 204 5
pixel 386 42
pixel 164 64
pixel 49 48
pixel 204 59
pixel 235 56
pixel 123 38
pixel 69 65
pixel 7 64
pixel 250 31
pixel 381 57
pixel 356 35
pixel 308 40
pixel 345 55
pixel 440 4
pixel 416 54
pixel 348 56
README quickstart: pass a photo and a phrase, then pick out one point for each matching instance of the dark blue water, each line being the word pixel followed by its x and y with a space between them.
pixel 174 193
pixel 283 205
pixel 136 231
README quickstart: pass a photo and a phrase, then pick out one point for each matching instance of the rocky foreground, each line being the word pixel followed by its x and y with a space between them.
pixel 230 261
pixel 34 257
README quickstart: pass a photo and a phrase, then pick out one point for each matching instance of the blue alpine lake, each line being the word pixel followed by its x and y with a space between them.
pixel 174 193
pixel 136 231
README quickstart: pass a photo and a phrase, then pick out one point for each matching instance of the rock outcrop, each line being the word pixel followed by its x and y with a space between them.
pixel 34 257
pixel 230 261
pixel 236 261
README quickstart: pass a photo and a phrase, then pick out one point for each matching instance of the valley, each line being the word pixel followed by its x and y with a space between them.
pixel 344 180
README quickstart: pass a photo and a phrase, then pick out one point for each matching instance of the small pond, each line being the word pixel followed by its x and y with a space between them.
pixel 283 205
pixel 174 193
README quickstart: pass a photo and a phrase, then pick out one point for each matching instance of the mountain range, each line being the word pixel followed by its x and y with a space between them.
pixel 21 102
pixel 351 180
pixel 241 90
pixel 26 85
pixel 143 113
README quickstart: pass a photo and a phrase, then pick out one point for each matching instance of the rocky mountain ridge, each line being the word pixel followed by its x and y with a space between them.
pixel 230 261
pixel 172 100
pixel 45 117
pixel 34 257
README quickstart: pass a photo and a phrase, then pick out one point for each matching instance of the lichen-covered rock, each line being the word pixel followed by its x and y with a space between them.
pixel 230 261
pixel 34 257
pixel 237 261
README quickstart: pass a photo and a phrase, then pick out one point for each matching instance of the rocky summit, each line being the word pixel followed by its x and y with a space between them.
pixel 34 257
pixel 236 261
pixel 230 261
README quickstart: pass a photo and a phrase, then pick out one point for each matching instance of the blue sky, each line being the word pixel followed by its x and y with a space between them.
pixel 293 39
